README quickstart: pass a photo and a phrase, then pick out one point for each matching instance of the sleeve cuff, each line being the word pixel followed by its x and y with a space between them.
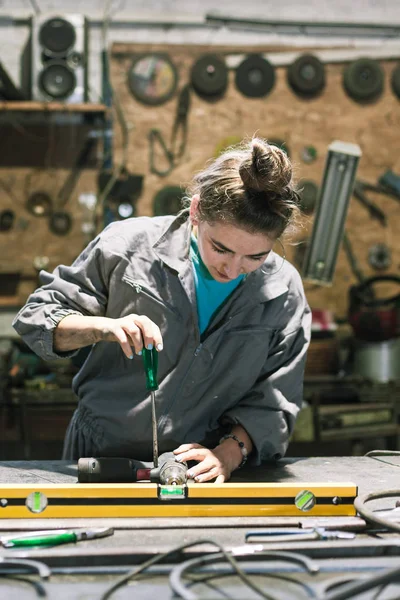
pixel 47 337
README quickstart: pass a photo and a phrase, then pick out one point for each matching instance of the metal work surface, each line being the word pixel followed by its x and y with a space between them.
pixel 367 473
pixel 87 568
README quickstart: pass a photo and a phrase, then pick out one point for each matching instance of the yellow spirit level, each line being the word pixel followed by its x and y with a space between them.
pixel 27 501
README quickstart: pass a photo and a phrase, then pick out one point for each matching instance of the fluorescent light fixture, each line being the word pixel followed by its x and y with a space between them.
pixel 328 229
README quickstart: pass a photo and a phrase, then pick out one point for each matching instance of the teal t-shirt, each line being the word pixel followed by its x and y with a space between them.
pixel 210 294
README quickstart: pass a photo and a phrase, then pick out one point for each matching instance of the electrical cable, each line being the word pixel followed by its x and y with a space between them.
pixel 178 571
pixel 205 578
pixel 356 588
pixel 328 586
pixel 306 562
pixel 376 453
pixel 148 563
pixel 35 7
pixel 369 515
pixel 39 587
pixel 179 588
pixel 378 592
pixel 120 114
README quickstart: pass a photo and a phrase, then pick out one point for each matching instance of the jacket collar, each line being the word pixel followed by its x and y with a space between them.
pixel 174 244
pixel 266 283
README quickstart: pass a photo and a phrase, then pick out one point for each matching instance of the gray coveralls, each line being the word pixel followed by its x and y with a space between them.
pixel 246 368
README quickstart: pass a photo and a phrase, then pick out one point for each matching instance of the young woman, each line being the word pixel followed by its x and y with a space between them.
pixel 205 288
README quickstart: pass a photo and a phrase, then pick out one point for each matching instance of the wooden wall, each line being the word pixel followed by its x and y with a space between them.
pixel 280 115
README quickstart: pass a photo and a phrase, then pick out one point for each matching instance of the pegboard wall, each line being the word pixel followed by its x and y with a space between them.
pixel 280 115
pixel 42 158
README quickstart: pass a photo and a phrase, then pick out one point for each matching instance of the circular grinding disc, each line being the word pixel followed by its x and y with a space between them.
pixel 39 204
pixel 306 76
pixel 60 223
pixel 152 78
pixel 209 76
pixel 255 76
pixel 363 80
pixel 308 196
pixel 7 218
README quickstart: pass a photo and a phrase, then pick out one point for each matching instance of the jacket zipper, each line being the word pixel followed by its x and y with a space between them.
pixel 140 289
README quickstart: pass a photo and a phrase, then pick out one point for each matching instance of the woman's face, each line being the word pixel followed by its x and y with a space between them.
pixel 229 251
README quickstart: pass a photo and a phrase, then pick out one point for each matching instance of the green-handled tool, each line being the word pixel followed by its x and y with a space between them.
pixel 150 361
pixel 54 537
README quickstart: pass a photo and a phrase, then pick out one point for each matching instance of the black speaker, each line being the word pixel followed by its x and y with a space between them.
pixel 55 60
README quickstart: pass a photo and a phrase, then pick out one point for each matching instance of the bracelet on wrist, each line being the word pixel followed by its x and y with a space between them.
pixel 242 447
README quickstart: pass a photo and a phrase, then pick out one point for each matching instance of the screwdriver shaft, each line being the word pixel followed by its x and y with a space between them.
pixel 155 433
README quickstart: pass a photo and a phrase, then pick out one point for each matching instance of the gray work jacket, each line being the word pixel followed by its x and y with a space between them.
pixel 246 368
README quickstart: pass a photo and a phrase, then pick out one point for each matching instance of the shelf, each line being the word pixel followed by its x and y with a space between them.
pixel 86 107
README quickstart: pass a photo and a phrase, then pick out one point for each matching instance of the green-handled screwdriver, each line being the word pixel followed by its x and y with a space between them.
pixel 150 361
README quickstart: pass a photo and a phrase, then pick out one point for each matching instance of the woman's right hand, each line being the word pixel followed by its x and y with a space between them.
pixel 133 331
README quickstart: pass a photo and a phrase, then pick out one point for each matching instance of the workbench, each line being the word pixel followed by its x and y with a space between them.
pixel 135 539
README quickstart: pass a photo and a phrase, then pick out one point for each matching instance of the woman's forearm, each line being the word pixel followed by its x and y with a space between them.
pixel 76 331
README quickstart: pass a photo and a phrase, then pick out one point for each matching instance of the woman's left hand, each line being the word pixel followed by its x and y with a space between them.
pixel 217 463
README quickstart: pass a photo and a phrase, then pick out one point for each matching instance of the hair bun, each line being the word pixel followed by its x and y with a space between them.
pixel 268 169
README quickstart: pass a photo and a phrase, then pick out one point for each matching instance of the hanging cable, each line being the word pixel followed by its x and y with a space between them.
pixel 118 108
pixel 375 454
pixel 354 589
pixel 177 573
pixel 370 516
pixel 306 562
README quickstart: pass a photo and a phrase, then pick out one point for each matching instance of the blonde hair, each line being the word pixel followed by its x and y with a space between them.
pixel 250 185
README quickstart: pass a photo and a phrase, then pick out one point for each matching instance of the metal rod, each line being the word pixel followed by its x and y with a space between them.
pixel 387 29
pixel 155 433
pixel 209 20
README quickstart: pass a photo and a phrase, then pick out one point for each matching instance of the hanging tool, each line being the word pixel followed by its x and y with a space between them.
pixel 360 187
pixel 389 183
pixel 155 136
pixel 180 123
pixel 351 257
pixel 54 537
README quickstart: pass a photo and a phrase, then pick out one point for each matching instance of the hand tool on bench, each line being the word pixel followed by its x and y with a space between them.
pixel 272 535
pixel 54 537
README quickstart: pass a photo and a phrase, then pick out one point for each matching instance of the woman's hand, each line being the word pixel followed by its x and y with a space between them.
pixel 218 463
pixel 132 331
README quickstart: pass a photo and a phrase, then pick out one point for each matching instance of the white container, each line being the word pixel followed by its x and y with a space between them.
pixel 378 361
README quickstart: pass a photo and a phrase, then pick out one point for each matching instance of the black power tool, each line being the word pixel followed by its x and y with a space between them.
pixel 126 470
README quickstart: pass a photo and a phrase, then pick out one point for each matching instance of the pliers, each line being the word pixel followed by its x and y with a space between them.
pixel 360 187
pixel 53 537
pixel 179 129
